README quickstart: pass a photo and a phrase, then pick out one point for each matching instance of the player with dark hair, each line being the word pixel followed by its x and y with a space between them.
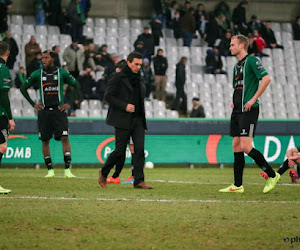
pixel 293 158
pixel 52 117
pixel 6 120
pixel 125 94
pixel 245 110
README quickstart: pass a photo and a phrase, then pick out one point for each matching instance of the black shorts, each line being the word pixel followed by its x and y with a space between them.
pixel 52 122
pixel 3 129
pixel 244 124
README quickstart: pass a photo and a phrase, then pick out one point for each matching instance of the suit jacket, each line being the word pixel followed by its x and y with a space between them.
pixel 119 94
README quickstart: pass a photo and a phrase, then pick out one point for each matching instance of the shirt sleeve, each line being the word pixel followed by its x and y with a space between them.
pixel 258 69
pixel 68 78
pixel 298 148
pixel 29 82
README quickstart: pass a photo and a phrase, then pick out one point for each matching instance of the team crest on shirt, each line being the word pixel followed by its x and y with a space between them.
pixel 55 77
pixel 259 66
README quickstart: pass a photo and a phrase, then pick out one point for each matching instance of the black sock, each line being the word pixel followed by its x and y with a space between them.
pixel 261 162
pixel 1 155
pixel 238 168
pixel 48 162
pixel 115 175
pixel 67 159
pixel 284 167
pixel 298 170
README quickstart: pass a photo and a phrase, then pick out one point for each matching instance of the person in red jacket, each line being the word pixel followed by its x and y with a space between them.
pixel 260 43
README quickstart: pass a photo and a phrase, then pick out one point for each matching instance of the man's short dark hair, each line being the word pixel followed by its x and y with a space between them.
pixel 4 47
pixel 133 55
pixel 160 50
pixel 54 47
pixel 50 52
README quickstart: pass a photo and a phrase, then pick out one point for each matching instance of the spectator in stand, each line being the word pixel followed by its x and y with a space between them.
pixel 65 25
pixel 86 6
pixel 185 8
pixel 77 18
pixel 198 109
pixel 239 18
pixel 54 12
pixel 74 58
pixel 269 37
pixel 91 59
pixel 140 49
pixel 188 27
pixel 160 64
pixel 20 77
pixel 147 77
pixel 40 7
pixel 252 48
pixel 111 66
pixel 296 29
pixel 148 39
pixel 106 57
pixel 170 13
pixel 156 29
pixel 224 44
pixel 31 50
pixel 254 24
pixel 214 29
pixel 214 62
pixel 222 8
pixel 13 48
pixel 160 8
pixel 176 25
pixel 88 84
pixel 55 55
pixel 201 19
pixel 35 65
pixel 5 5
pixel 260 43
pixel 179 83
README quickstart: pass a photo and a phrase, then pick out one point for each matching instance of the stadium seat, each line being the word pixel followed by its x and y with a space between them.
pixel 112 32
pixel 221 78
pixel 41 29
pixel 148 105
pixel 53 30
pixel 53 40
pixel 89 22
pixel 28 29
pixel 41 39
pixel 16 29
pixel 184 51
pixel 136 23
pixel 88 32
pixel 65 39
pixel 172 114
pixel 112 23
pixel 276 27
pixel 95 104
pixel 171 42
pixel 124 23
pixel 28 112
pixel 95 113
pixel 287 27
pixel 28 20
pixel 159 114
pixel 197 78
pixel 100 22
pixel 81 113
pixel 16 112
pixel 104 113
pixel 84 105
pixel 159 105
pixel 149 114
pixel 17 19
pixel 209 78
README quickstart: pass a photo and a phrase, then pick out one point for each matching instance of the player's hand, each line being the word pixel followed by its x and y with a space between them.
pixel 232 105
pixel 249 104
pixel 291 163
pixel 11 125
pixel 64 107
pixel 38 106
pixel 130 108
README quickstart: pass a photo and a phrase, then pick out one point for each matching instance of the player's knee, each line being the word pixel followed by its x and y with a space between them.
pixel 3 147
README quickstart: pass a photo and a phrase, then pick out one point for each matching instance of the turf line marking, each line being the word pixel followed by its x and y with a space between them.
pixel 143 200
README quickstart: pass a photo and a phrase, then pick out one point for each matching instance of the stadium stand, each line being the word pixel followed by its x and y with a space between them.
pixel 215 92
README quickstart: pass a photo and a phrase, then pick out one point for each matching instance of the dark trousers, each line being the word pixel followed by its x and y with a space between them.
pixel 187 38
pixel 117 157
pixel 77 30
pixel 180 94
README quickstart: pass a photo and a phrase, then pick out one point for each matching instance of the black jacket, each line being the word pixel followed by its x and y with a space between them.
pixel 214 61
pixel 180 74
pixel 160 65
pixel 239 15
pixel 268 36
pixel 197 112
pixel 119 94
pixel 296 31
pixel 148 40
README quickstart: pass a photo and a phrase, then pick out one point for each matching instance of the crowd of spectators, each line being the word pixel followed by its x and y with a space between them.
pixel 187 22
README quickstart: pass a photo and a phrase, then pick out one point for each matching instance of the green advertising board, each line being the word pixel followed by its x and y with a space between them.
pixel 93 149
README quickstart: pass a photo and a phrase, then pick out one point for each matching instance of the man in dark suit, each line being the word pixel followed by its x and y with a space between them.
pixel 125 95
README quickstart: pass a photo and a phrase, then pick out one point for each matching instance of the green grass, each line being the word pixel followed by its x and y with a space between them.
pixel 184 210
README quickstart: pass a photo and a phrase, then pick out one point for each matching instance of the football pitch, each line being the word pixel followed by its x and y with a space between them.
pixel 183 211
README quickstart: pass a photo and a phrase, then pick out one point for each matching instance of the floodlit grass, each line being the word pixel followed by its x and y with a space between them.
pixel 184 210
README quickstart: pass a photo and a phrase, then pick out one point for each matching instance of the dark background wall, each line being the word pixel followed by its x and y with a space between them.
pixel 276 10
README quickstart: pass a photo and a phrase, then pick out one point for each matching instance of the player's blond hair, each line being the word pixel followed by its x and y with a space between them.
pixel 242 39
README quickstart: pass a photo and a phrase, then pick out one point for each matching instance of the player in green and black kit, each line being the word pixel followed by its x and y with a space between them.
pixel 246 76
pixel 52 117
pixel 6 120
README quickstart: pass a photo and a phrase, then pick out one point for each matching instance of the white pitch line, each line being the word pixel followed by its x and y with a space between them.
pixel 143 200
